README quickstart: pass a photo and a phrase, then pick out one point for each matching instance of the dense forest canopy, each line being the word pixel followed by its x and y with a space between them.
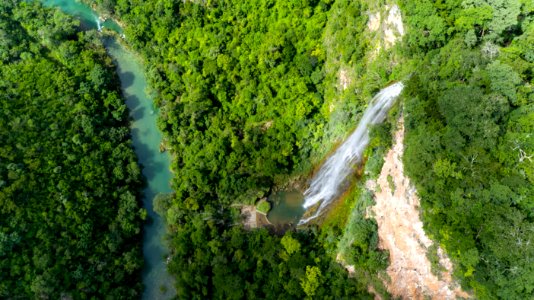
pixel 69 203
pixel 250 97
pixel 246 94
pixel 245 90
pixel 469 121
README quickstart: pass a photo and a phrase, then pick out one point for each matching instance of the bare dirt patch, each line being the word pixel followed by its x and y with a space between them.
pixel 400 231
pixel 252 218
pixel 394 29
pixel 374 21
pixel 350 268
pixel 267 125
pixel 262 220
pixel 344 79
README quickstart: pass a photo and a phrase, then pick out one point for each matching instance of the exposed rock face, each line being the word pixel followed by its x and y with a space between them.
pixel 388 25
pixel 374 21
pixel 393 28
pixel 401 232
pixel 344 79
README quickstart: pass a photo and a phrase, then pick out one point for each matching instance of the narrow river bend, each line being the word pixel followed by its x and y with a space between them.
pixel 146 140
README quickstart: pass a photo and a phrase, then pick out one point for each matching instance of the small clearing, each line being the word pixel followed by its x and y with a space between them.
pixel 252 218
pixel 394 28
pixel 344 79
pixel 249 215
pixel 400 231
pixel 388 24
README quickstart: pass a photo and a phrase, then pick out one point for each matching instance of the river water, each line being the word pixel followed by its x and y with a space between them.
pixel 146 140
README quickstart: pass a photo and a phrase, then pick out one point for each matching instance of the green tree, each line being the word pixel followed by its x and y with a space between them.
pixel 311 281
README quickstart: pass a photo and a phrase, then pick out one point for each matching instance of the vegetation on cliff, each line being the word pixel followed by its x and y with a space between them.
pixel 469 144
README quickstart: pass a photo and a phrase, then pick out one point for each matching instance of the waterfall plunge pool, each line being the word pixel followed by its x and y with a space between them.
pixel 286 207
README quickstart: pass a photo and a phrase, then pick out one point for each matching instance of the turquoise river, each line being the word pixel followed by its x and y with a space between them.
pixel 146 139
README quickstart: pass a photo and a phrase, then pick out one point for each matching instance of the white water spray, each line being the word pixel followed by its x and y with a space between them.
pixel 325 185
pixel 98 23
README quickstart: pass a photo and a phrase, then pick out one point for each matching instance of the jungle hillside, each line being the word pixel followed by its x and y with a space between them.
pixel 252 97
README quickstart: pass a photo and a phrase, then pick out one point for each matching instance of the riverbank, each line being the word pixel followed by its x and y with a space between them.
pixel 104 14
pixel 146 140
pixel 156 167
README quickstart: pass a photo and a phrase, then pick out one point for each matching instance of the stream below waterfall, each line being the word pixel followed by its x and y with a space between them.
pixel 146 140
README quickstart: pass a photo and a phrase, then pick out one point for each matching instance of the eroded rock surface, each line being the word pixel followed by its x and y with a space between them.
pixel 401 232
pixel 388 25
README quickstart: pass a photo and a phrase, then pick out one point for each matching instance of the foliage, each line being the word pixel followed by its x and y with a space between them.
pixel 246 97
pixel 231 263
pixel 358 242
pixel 70 216
pixel 469 117
pixel 311 281
pixel 248 91
pixel 263 206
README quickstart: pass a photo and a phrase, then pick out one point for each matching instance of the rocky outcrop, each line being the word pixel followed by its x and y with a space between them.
pixel 400 231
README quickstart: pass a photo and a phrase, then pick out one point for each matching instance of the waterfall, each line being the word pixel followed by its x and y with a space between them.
pixel 326 184
pixel 98 23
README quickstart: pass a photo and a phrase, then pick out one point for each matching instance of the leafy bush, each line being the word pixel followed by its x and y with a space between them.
pixel 263 206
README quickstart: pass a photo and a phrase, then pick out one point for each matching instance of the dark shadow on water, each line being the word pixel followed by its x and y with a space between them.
pixel 132 101
pixel 153 227
pixel 137 113
pixel 136 133
pixel 147 158
pixel 127 78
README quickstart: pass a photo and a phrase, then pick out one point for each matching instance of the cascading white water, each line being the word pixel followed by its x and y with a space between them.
pixel 98 23
pixel 325 185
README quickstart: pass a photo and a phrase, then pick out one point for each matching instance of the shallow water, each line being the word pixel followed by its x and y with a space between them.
pixel 287 207
pixel 146 140
pixel 88 18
